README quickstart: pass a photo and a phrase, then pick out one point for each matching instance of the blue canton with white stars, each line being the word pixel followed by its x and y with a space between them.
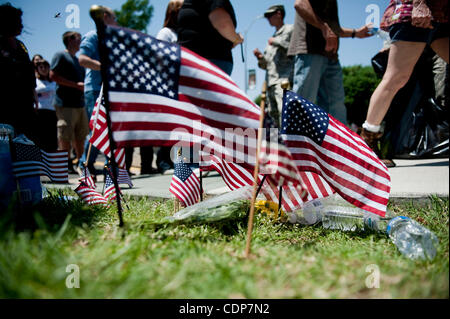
pixel 301 117
pixel 140 63
pixel 182 171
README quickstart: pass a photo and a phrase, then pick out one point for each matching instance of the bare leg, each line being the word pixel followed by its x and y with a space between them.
pixel 403 57
pixel 79 148
pixel 440 46
pixel 64 145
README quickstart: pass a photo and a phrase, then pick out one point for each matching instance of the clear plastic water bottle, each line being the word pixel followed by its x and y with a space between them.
pixel 383 35
pixel 412 239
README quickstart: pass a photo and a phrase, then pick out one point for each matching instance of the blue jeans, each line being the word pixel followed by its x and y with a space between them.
pixel 89 99
pixel 319 80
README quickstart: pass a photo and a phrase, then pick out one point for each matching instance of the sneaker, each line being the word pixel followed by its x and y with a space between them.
pixel 371 139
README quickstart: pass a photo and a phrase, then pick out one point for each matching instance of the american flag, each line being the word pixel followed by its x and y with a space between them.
pixel 99 128
pixel 236 176
pixel 277 162
pixel 87 178
pixel 109 191
pixel 185 185
pixel 123 177
pixel 322 145
pixel 30 160
pixel 161 93
pixel 90 196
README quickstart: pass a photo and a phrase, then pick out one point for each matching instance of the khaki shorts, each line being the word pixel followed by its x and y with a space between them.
pixel 73 124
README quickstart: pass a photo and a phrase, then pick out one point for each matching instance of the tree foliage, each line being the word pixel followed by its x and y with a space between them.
pixel 135 14
pixel 359 84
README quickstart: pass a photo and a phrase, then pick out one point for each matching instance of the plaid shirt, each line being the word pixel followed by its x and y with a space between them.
pixel 399 11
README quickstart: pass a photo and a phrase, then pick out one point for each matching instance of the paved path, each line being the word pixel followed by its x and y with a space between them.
pixel 410 179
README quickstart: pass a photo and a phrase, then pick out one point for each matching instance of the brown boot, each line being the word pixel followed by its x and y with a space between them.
pixel 372 138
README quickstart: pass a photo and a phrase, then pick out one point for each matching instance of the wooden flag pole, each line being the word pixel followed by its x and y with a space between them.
pixel 96 13
pixel 285 86
pixel 256 171
pixel 280 197
pixel 201 182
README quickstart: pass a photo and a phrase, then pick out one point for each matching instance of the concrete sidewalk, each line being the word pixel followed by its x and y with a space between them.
pixel 410 179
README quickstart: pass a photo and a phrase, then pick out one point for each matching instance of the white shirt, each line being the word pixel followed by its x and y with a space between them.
pixel 46 93
pixel 167 34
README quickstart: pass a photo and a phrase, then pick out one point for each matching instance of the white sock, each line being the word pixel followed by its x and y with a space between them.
pixel 371 127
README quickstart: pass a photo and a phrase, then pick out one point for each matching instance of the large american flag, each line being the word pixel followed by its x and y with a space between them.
pixel 30 160
pixel 185 185
pixel 161 93
pixel 99 128
pixel 90 196
pixel 321 144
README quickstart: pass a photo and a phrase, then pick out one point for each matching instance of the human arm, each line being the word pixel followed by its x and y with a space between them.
pixel 262 63
pixel 64 82
pixel 361 33
pixel 421 15
pixel 304 9
pixel 89 63
pixel 221 21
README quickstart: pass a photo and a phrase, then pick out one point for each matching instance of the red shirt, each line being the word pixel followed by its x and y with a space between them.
pixel 399 11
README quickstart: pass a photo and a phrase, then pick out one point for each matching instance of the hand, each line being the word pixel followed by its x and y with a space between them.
pixel 330 38
pixel 363 32
pixel 421 16
pixel 271 40
pixel 80 86
pixel 238 40
pixel 257 54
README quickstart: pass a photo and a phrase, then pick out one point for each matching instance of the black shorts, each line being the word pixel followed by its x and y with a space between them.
pixel 406 32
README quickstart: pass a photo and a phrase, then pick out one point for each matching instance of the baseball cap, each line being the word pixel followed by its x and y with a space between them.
pixel 274 9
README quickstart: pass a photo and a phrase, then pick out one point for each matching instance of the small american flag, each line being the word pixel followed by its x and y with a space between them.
pixel 99 128
pixel 110 191
pixel 185 185
pixel 90 196
pixel 236 176
pixel 321 144
pixel 30 160
pixel 87 178
pixel 124 178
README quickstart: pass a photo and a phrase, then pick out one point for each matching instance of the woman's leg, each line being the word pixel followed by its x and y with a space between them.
pixel 440 46
pixel 403 57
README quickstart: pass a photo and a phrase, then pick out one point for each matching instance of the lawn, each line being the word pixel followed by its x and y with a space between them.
pixel 146 260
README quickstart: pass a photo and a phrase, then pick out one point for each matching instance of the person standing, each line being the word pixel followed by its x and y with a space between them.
pixel 45 89
pixel 275 60
pixel 315 43
pixel 412 24
pixel 208 27
pixel 69 99
pixel 18 82
pixel 89 58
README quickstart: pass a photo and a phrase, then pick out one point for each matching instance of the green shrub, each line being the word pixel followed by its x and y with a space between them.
pixel 359 84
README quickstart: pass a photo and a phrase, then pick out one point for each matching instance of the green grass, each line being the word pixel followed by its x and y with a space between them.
pixel 144 260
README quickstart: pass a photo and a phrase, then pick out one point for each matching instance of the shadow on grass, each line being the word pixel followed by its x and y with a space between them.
pixel 50 214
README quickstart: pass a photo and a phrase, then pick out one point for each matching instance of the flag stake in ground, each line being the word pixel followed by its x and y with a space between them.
pixel 256 172
pixel 96 13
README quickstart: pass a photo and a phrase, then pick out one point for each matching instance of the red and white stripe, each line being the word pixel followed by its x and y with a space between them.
pixel 90 196
pixel 100 137
pixel 347 164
